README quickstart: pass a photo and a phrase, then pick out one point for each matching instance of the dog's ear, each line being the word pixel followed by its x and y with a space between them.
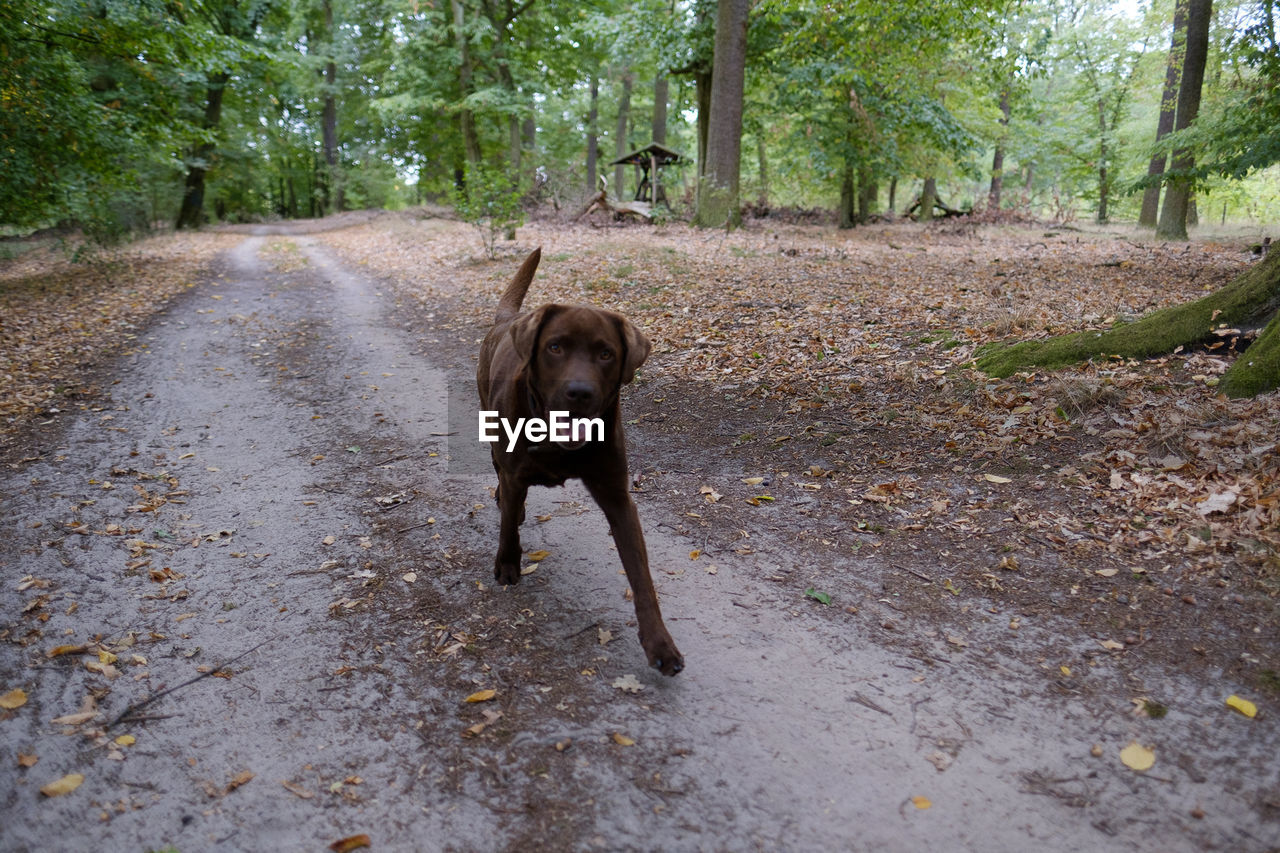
pixel 526 328
pixel 636 345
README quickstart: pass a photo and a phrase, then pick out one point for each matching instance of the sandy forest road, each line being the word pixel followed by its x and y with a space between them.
pixel 281 402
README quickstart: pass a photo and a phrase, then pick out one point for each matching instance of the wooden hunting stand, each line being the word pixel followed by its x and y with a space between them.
pixel 650 159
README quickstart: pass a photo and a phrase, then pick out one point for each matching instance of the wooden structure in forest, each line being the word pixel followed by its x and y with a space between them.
pixel 651 159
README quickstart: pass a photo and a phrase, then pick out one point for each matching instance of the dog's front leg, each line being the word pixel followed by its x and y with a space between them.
pixel 624 522
pixel 511 496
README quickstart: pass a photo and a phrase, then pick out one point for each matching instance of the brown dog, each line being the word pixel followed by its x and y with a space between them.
pixel 568 359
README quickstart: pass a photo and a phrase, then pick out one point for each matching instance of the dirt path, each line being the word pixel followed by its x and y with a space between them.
pixel 273 479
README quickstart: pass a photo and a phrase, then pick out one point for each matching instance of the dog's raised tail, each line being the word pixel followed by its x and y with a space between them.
pixel 513 297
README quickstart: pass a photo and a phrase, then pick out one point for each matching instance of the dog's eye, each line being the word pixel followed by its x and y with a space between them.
pixel 553 348
pixel 606 355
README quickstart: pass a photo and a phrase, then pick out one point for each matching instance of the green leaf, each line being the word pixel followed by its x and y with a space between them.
pixel 820 597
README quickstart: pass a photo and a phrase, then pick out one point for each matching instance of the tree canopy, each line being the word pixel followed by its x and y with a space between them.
pixel 112 112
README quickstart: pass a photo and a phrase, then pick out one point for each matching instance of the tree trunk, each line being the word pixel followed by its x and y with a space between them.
pixel 718 189
pixel 620 135
pixel 893 193
pixel 997 159
pixel 1168 110
pixel 702 93
pixel 1104 185
pixel 191 213
pixel 593 141
pixel 661 94
pixel 868 192
pixel 928 198
pixel 1173 214
pixel 329 119
pixel 1248 301
pixel 762 163
pixel 466 120
pixel 847 196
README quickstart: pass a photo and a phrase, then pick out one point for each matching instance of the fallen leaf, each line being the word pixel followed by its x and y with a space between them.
pixel 821 597
pixel 126 740
pixel 921 802
pixel 74 719
pixel 65 785
pixel 481 696
pixel 1244 706
pixel 297 790
pixel 622 740
pixel 1111 645
pixel 753 481
pixel 537 556
pixel 25 760
pixel 628 684
pixel 1106 573
pixel 409 577
pixel 695 554
pixel 15 698
pixel 1216 502
pixel 59 651
pixel 604 635
pixel 353 842
pixel 1137 757
pixel 994 478
pixel 239 779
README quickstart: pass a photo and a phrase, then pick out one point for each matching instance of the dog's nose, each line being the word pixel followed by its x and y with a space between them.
pixel 579 392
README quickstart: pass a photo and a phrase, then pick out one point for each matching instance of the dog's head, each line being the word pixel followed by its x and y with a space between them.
pixel 577 358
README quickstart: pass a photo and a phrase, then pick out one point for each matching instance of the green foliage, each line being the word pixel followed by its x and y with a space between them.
pixel 490 203
pixel 102 104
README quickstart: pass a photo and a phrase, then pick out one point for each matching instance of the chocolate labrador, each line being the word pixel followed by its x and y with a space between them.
pixel 554 373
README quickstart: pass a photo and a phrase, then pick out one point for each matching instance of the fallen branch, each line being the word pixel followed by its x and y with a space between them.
pixel 138 706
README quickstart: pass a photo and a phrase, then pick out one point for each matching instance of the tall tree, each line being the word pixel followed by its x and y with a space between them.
pixel 661 94
pixel 1168 110
pixel 719 179
pixel 593 133
pixel 620 135
pixel 466 118
pixel 329 122
pixel 1173 213
pixel 238 20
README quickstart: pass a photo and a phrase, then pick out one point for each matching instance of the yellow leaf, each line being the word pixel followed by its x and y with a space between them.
pixel 59 651
pixel 1065 670
pixel 107 657
pixel 622 740
pixel 1244 706
pixel 126 740
pixel 482 696
pixel 65 785
pixel 753 481
pixel 15 698
pixel 537 556
pixel 1137 757
pixel 354 842
pixel 695 554
pixel 921 802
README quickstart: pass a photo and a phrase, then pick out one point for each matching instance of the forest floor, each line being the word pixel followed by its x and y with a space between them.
pixel 918 607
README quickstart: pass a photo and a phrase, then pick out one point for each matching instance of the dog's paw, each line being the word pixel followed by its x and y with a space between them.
pixel 664 656
pixel 506 574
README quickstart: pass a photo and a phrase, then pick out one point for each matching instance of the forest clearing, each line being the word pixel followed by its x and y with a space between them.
pixel 919 605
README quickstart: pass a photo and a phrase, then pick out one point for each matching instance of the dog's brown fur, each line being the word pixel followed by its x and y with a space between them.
pixel 574 359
